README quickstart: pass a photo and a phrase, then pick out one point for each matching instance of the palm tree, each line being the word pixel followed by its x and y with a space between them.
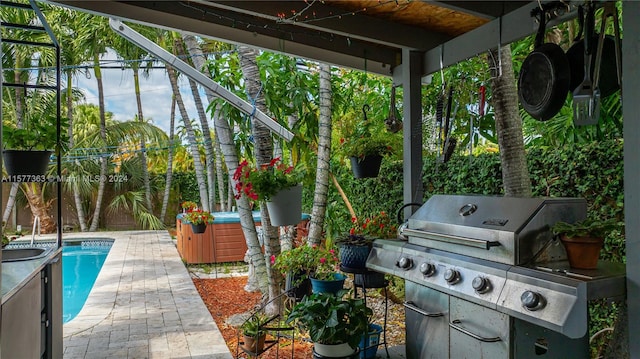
pixel 128 51
pixel 94 38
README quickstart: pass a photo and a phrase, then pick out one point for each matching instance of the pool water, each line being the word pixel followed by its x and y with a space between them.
pixel 81 263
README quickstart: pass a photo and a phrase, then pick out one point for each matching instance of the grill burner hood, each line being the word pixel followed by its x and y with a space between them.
pixel 503 229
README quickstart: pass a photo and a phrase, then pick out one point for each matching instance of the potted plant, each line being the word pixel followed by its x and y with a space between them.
pixel 254 333
pixel 335 324
pixel 356 245
pixel 28 149
pixel 583 240
pixel 276 183
pixel 198 220
pixel 365 144
pixel 316 264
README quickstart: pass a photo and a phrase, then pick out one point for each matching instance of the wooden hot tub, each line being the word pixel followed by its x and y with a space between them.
pixel 222 241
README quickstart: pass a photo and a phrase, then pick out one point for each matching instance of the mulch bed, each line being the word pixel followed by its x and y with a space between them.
pixel 225 297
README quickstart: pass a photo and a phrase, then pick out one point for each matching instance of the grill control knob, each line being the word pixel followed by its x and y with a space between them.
pixel 452 276
pixel 481 284
pixel 532 300
pixel 427 269
pixel 404 263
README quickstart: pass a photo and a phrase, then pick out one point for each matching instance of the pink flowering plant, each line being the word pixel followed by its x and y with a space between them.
pixel 262 183
pixel 313 261
pixel 365 229
pixel 198 216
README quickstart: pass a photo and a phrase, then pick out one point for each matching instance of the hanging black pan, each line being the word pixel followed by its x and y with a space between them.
pixel 544 78
pixel 608 82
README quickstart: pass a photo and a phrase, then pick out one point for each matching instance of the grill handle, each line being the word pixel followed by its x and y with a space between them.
pixel 411 306
pixel 456 325
pixel 447 238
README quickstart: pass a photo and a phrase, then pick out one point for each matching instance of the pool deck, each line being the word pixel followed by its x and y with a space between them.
pixel 143 305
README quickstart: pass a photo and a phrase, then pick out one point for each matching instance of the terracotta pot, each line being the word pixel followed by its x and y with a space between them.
pixel 253 344
pixel 583 252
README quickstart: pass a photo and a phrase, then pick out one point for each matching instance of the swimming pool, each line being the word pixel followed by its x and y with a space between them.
pixel 81 263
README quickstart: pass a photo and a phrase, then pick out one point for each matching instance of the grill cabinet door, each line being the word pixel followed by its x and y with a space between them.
pixel 477 331
pixel 427 322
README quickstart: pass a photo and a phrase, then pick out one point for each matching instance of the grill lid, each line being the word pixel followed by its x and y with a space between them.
pixel 504 229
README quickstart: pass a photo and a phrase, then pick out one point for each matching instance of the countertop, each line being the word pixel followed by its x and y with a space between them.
pixel 17 274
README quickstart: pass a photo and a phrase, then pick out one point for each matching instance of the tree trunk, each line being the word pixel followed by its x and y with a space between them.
pixel 224 204
pixel 264 154
pixel 143 147
pixel 195 153
pixel 167 185
pixel 39 208
pixel 206 133
pixel 324 154
pixel 11 202
pixel 103 135
pixel 515 174
pixel 77 199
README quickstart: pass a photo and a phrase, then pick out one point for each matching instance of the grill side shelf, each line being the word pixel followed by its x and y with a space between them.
pixel 451 239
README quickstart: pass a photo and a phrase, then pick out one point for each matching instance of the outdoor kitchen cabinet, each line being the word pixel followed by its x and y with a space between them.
pixel 21 325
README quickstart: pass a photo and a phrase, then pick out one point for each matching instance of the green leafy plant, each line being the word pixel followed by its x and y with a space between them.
pixel 254 325
pixel 332 319
pixel 36 134
pixel 260 184
pixel 312 261
pixel 198 216
pixel 589 227
pixel 366 138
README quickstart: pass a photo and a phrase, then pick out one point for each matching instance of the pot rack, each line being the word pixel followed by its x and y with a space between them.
pixel 55 45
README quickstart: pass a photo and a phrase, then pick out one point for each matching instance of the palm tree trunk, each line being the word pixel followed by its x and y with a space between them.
pixel 167 185
pixel 143 148
pixel 11 202
pixel 515 174
pixel 77 199
pixel 264 154
pixel 191 137
pixel 206 133
pixel 224 204
pixel 324 154
pixel 39 208
pixel 103 135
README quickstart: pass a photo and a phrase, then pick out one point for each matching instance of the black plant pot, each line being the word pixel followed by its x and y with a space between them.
pixel 354 257
pixel 366 166
pixel 199 228
pixel 370 279
pixel 21 163
pixel 297 285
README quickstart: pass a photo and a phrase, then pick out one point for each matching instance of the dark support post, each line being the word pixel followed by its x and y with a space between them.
pixel 411 78
pixel 630 110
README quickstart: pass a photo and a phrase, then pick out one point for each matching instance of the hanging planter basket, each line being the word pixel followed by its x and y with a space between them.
pixel 285 207
pixel 22 163
pixel 366 166
pixel 199 228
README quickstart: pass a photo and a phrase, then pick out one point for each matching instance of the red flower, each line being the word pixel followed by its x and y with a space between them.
pixel 273 259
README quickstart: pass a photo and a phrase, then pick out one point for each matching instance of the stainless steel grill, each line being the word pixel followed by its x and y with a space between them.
pixel 486 278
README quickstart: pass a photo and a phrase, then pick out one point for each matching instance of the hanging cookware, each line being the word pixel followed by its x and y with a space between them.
pixel 544 78
pixel 586 97
pixel 608 82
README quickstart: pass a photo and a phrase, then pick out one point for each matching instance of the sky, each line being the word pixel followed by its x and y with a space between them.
pixel 119 94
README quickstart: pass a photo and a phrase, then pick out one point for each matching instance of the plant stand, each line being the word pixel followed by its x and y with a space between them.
pixel 276 332
pixel 365 283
